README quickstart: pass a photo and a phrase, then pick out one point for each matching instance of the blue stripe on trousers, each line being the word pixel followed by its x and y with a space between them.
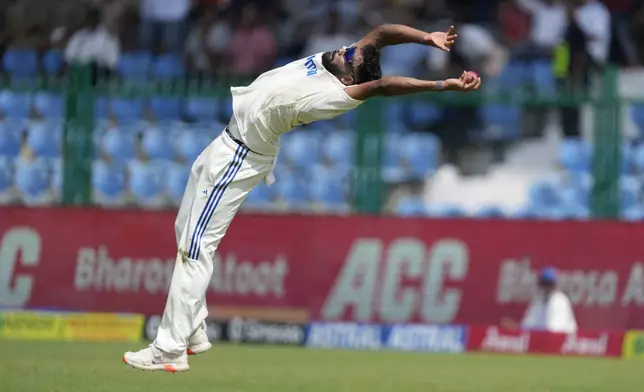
pixel 211 199
pixel 220 196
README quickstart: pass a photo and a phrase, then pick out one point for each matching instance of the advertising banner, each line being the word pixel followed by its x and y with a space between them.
pixel 582 343
pixel 19 325
pixel 428 338
pixel 297 268
pixel 633 345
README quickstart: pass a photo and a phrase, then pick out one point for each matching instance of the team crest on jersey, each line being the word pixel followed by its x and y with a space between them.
pixel 311 68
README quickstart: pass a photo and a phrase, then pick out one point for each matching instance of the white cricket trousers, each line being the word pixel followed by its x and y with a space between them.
pixel 220 180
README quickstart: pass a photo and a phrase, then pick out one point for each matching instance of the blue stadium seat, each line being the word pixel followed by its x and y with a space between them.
pixel 634 213
pixel 501 122
pixel 202 109
pixel 420 152
pixel 108 182
pixel 168 67
pixel 576 212
pixel 544 194
pixel 45 139
pixel 261 196
pixel 21 63
pixel 525 212
pixel 15 106
pixel 637 114
pixel 574 155
pixel 102 108
pixel 423 114
pixel 6 177
pixel 411 206
pixel 574 196
pixel 146 182
pixel 118 145
pixel 135 66
pixel 157 145
pixel 300 149
pixel 393 170
pixel 638 158
pixel 190 144
pixel 166 108
pixel 338 148
pixel 291 190
pixel 512 78
pixel 394 117
pixel 32 178
pixel 227 110
pixel 544 78
pixel 176 180
pixel 127 109
pixel 9 141
pixel 328 186
pixel 446 211
pixel 48 105
pixel 490 212
pixel 629 191
pixel 52 61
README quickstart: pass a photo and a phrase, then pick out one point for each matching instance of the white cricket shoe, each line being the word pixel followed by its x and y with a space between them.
pixel 198 342
pixel 153 359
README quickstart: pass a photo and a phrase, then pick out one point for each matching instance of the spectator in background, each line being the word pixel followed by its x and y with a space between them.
pixel 94 44
pixel 163 23
pixel 329 37
pixel 584 51
pixel 207 43
pixel 550 309
pixel 253 47
pixel 548 27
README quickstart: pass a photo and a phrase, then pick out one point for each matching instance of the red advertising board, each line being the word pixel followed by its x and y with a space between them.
pixel 582 343
pixel 372 269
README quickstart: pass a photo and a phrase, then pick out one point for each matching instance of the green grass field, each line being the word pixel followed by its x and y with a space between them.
pixel 97 367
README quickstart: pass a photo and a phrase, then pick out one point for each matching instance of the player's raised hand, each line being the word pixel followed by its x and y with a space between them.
pixel 443 41
pixel 468 81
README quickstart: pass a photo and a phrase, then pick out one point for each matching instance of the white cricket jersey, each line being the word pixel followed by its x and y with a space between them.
pixel 279 100
pixel 554 314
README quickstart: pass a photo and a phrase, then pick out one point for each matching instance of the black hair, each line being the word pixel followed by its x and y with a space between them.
pixel 369 69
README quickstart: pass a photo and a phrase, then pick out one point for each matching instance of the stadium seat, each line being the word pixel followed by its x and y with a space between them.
pixel 411 206
pixel 48 105
pixel 576 212
pixel 544 194
pixel 423 114
pixel 338 148
pixel 512 78
pixel 21 63
pixel 300 149
pixel 490 212
pixel 226 112
pixel 108 182
pixel 574 155
pixel 328 187
pixel 420 152
pixel 52 61
pixel 166 108
pixel 394 117
pixel 176 180
pixel 135 66
pixel 261 196
pixel 291 190
pixel 157 145
pixel 637 114
pixel 45 139
pixel 146 183
pixel 127 109
pixel 32 179
pixel 629 191
pixel 501 122
pixel 634 213
pixel 118 145
pixel 15 106
pixel 102 108
pixel 6 178
pixel 638 158
pixel 392 169
pixel 446 211
pixel 9 141
pixel 574 196
pixel 168 67
pixel 525 212
pixel 202 109
pixel 543 77
pixel 57 176
pixel 190 144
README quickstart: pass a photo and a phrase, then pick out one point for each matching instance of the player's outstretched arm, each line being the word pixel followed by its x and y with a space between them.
pixel 400 85
pixel 394 34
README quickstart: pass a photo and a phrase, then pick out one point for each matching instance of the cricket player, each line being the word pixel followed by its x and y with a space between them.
pixel 319 87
